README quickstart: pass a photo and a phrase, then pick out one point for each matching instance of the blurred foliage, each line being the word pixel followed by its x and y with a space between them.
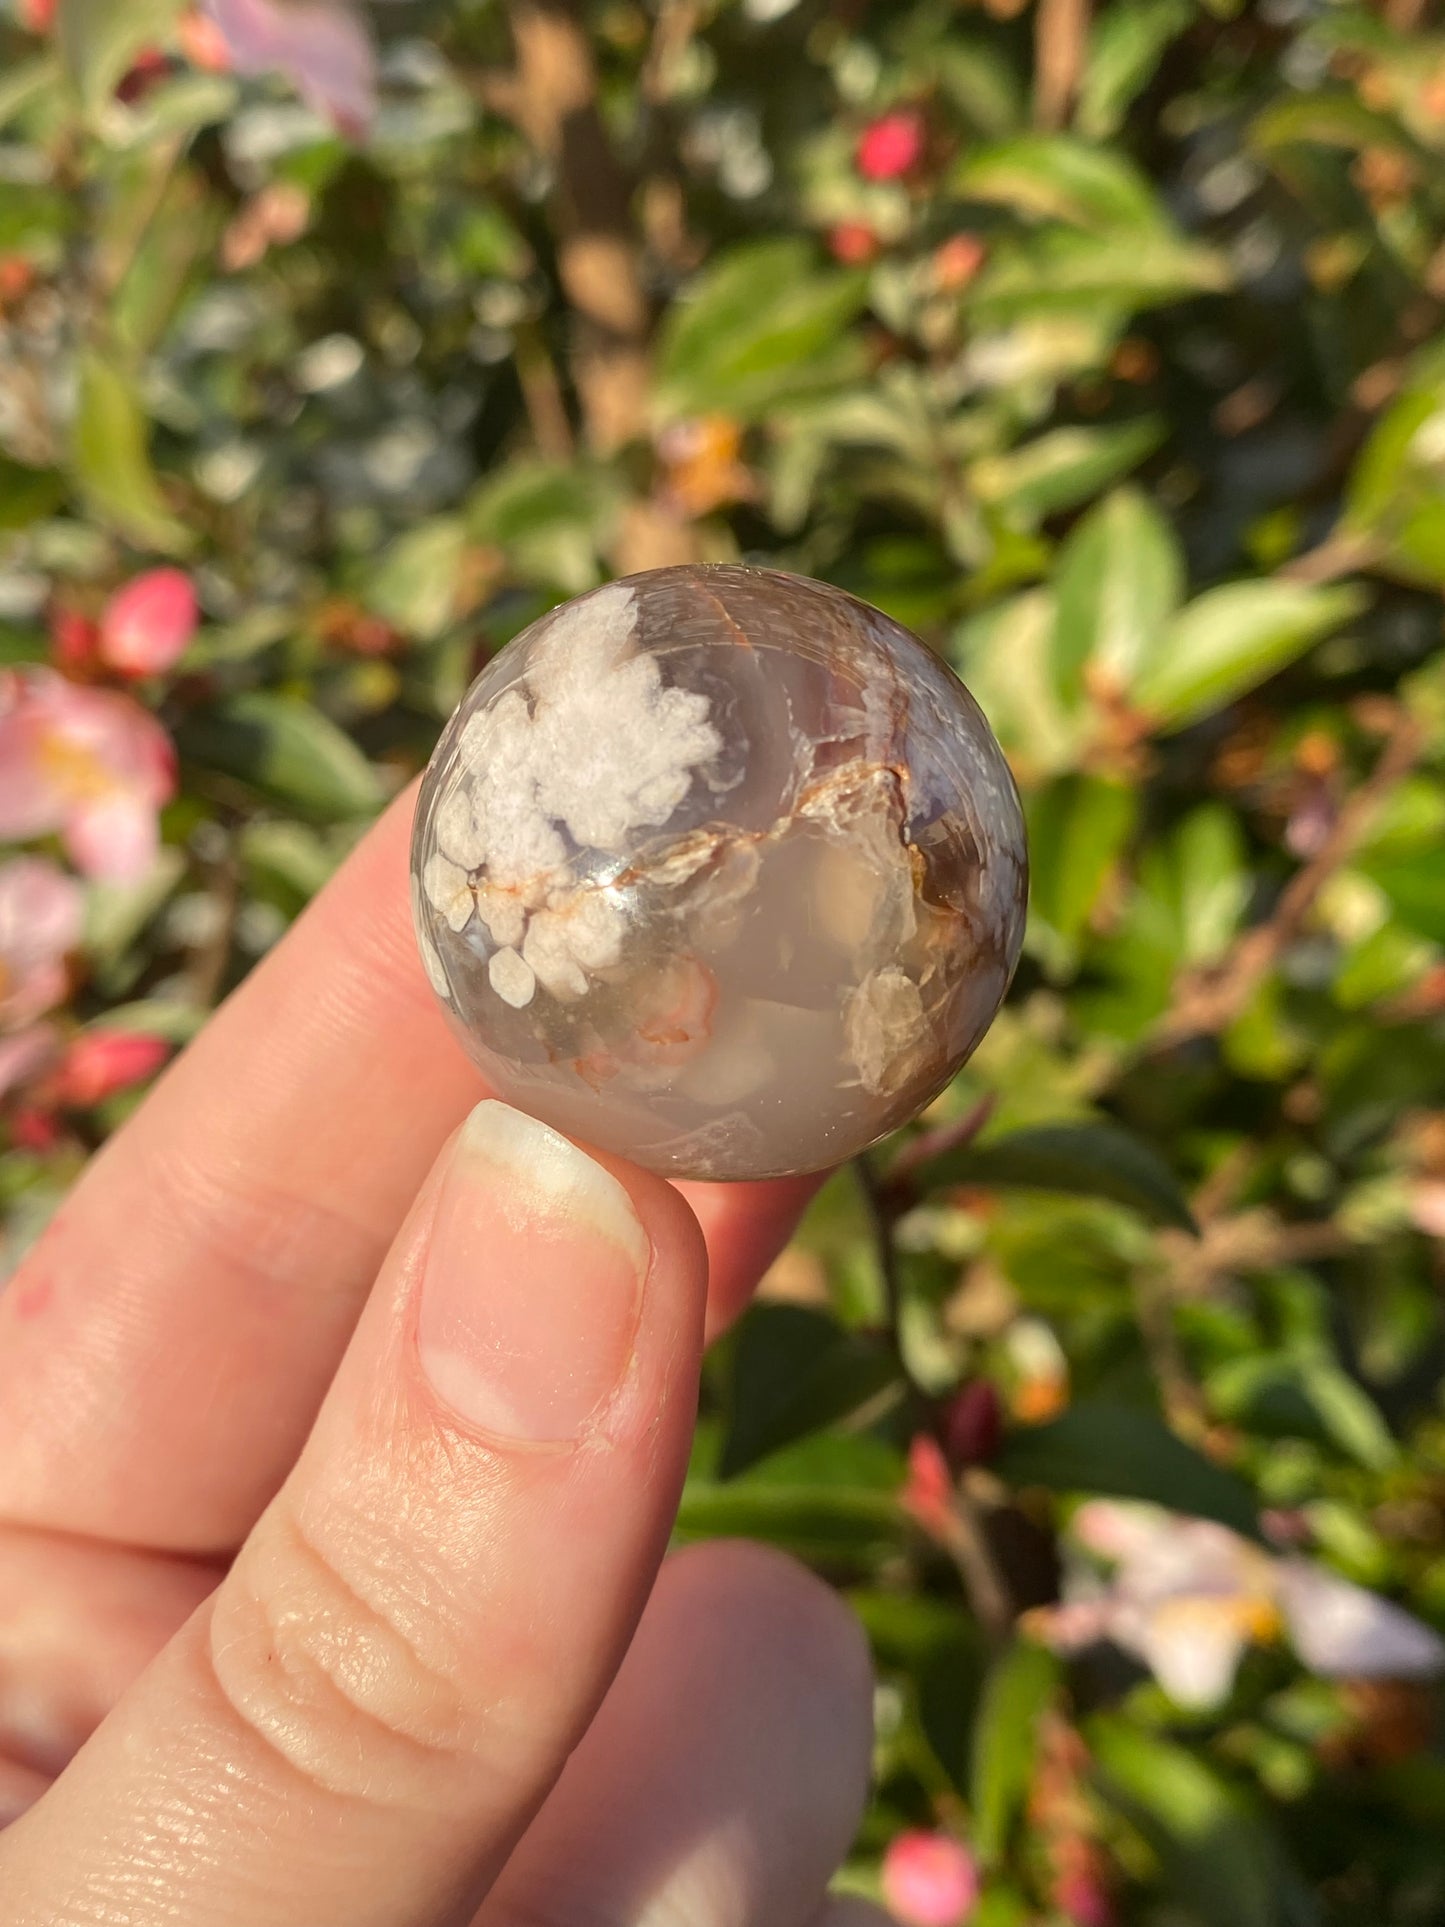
pixel 1120 376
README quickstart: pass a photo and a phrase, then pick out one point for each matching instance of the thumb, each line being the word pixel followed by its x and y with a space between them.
pixel 360 1722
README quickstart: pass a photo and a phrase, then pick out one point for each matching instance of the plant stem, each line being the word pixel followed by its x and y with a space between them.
pixel 1208 1002
pixel 959 1530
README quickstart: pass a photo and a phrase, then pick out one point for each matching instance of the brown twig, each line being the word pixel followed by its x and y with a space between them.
pixel 1342 553
pixel 936 1143
pixel 1061 34
pixel 1405 16
pixel 542 397
pixel 1154 1313
pixel 1209 1001
pixel 962 1535
pixel 599 260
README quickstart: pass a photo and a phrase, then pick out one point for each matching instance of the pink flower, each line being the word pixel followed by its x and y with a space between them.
pixel 1187 1597
pixel 147 626
pixel 40 917
pixel 36 16
pixel 890 146
pixel 320 45
pixel 929 1880
pixel 90 764
pixel 99 1063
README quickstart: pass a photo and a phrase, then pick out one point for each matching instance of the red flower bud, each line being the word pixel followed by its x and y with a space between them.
pixel 890 146
pixel 973 1424
pixel 147 626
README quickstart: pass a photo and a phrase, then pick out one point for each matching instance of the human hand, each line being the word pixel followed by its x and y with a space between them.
pixel 339 1449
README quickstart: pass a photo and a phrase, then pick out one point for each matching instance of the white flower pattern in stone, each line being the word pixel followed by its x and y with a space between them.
pixel 603 749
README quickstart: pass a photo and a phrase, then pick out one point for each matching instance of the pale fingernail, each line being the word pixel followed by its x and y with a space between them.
pixel 533 1281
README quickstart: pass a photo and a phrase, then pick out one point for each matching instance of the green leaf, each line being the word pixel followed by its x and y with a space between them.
pixel 163 1017
pixel 117 913
pixel 285 749
pixel 113 465
pixel 1216 1857
pixel 552 519
pixel 1307 1398
pixel 1195 887
pixel 28 494
pixel 288 860
pixel 1020 1687
pixel 760 325
pixel 1119 1452
pixel 99 40
pixel 1057 470
pixel 1057 177
pixel 832 1498
pixel 27 82
pixel 1334 119
pixel 1005 656
pixel 1084 1160
pixel 1231 638
pixel 1120 578
pixel 1078 826
pixel 414 585
pixel 1072 273
pixel 795 1370
pixel 1125 45
pixel 1396 495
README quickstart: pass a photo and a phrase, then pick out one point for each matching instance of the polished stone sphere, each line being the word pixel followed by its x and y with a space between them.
pixel 720 869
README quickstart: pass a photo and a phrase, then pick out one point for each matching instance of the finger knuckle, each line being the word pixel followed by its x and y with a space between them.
pixel 333 1664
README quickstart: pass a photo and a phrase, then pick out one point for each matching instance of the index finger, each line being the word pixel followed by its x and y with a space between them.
pixel 165 1347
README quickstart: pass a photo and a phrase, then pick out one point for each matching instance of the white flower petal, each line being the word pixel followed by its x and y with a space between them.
pixel 1341 1630
pixel 1193 1648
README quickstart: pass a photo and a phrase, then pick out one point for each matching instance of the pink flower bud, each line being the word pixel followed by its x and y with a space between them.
pixel 929 1880
pixel 148 624
pixel 853 243
pixel 927 1495
pixel 99 1063
pixel 890 146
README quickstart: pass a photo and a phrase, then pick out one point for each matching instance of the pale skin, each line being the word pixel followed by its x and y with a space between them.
pixel 327 1599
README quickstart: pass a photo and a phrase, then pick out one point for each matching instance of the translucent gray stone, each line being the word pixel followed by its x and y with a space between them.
pixel 720 869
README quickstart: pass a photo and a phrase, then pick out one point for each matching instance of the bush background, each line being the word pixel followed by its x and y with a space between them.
pixel 1129 395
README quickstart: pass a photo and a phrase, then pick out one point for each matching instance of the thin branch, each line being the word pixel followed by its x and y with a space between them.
pixel 882 1216
pixel 1154 1313
pixel 1208 1002
pixel 599 257
pixel 937 1143
pixel 542 397
pixel 1338 555
pixel 962 1535
pixel 1061 36
pixel 958 1529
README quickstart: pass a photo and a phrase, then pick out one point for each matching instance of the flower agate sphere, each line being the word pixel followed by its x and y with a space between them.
pixel 720 869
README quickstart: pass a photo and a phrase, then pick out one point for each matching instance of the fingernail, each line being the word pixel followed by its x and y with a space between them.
pixel 533 1281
